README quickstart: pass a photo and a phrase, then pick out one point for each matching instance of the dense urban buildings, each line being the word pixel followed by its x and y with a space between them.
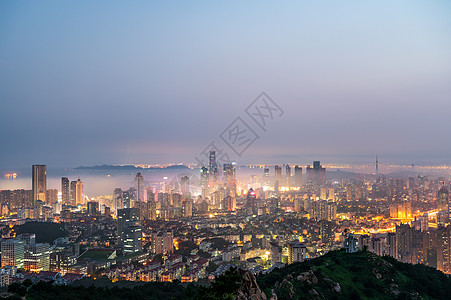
pixel 193 227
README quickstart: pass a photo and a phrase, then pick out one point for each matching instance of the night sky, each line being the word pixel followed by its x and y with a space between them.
pixel 115 82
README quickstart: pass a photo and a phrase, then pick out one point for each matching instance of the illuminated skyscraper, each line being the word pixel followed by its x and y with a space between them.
pixel 251 202
pixel 213 168
pixel 39 182
pixel 229 173
pixel 266 177
pixel 278 177
pixel 288 176
pixel 139 186
pixel 79 196
pixel 73 192
pixel 204 181
pixel 316 176
pixel 185 187
pixel 65 190
pixel 443 200
pixel 118 200
pixel 297 176
pixel 129 230
pixel 93 208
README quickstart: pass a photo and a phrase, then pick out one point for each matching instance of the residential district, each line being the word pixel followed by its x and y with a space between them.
pixel 195 228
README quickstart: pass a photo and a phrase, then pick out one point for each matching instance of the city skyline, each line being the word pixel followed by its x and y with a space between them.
pixel 151 83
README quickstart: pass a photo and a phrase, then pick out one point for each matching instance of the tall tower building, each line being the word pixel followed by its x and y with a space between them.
pixel 139 186
pixel 79 196
pixel 266 177
pixel 316 176
pixel 65 190
pixel 278 177
pixel 213 168
pixel 297 176
pixel 288 175
pixel 443 200
pixel 377 166
pixel 251 202
pixel 204 176
pixel 185 187
pixel 129 230
pixel 118 199
pixel 39 182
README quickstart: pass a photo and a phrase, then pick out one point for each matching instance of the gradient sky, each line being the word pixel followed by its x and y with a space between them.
pixel 91 82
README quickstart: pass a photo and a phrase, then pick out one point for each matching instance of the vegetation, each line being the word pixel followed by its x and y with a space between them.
pixel 46 232
pixel 361 275
pixel 336 275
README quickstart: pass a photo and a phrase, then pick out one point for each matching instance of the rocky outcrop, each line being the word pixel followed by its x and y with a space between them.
pixel 249 288
pixel 308 277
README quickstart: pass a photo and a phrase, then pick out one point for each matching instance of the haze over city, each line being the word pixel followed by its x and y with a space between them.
pixel 225 150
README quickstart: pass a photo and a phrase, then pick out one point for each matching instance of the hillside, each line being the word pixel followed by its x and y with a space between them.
pixel 361 275
pixel 336 275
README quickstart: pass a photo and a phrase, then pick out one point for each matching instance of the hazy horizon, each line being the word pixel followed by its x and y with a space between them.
pixel 90 83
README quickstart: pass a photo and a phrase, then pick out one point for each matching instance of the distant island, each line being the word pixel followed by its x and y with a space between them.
pixel 129 168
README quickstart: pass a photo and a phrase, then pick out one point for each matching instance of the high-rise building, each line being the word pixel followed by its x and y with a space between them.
pixel 443 200
pixel 288 176
pixel 229 174
pixel 278 177
pixel 79 196
pixel 297 176
pixel 266 177
pixel 316 176
pixel 65 190
pixel 229 203
pixel 204 176
pixel 73 192
pixel 251 202
pixel 39 183
pixel 150 194
pixel 37 257
pixel 162 242
pixel 187 208
pixel 444 249
pixel 118 200
pixel 185 187
pixel 13 251
pixel 139 186
pixel 129 230
pixel 93 208
pixel 213 168
pixel 51 196
pixel 297 251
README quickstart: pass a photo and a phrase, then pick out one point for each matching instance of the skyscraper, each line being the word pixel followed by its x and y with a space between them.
pixel 213 168
pixel 184 187
pixel 251 202
pixel 266 177
pixel 278 177
pixel 79 196
pixel 443 200
pixel 316 176
pixel 297 176
pixel 139 186
pixel 65 190
pixel 118 199
pixel 204 181
pixel 73 192
pixel 288 176
pixel 129 230
pixel 39 182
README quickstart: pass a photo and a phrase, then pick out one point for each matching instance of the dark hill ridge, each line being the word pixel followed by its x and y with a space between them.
pixel 336 275
pixel 361 275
